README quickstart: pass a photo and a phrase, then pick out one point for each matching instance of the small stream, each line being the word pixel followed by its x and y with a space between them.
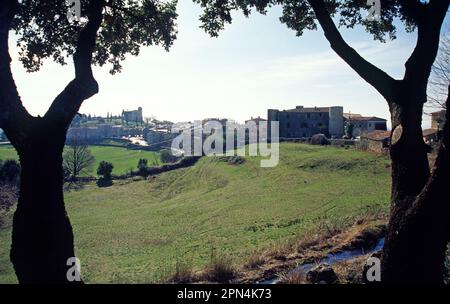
pixel 329 259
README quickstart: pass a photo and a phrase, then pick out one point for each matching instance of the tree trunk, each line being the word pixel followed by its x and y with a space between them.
pixel 410 168
pixel 416 242
pixel 42 238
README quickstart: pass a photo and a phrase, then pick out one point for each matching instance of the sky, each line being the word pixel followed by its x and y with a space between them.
pixel 255 64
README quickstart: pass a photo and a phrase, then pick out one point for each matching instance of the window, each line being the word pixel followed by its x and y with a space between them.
pixel 304 125
pixel 308 115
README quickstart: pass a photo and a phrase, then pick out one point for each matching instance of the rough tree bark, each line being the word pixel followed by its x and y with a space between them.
pixel 42 238
pixel 415 245
pixel 419 229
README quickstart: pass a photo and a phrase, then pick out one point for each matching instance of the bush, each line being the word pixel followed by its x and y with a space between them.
pixel 142 167
pixel 10 172
pixel 105 169
pixel 255 261
pixel 220 270
pixel 362 144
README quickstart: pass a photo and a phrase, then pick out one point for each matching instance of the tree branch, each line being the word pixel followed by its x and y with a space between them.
pixel 83 86
pixel 413 8
pixel 13 115
pixel 380 80
pixel 418 66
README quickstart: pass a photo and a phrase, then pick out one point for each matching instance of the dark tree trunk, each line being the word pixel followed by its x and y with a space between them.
pixel 417 237
pixel 410 168
pixel 42 238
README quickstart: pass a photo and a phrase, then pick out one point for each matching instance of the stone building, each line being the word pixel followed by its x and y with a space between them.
pixel 261 133
pixel 306 122
pixel 430 135
pixel 437 120
pixel 363 124
pixel 257 120
pixel 97 133
pixel 376 141
pixel 133 116
pixel 155 137
pixel 434 134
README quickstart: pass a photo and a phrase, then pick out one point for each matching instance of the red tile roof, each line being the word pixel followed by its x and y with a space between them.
pixel 438 112
pixel 429 132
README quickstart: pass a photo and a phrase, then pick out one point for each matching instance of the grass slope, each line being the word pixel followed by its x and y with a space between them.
pixel 137 232
pixel 122 158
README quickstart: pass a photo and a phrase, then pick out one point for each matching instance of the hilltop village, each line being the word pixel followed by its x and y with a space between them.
pixel 300 123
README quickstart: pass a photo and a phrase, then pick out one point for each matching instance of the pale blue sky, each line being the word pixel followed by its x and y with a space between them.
pixel 255 64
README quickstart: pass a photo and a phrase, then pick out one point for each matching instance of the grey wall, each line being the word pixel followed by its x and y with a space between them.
pixel 336 124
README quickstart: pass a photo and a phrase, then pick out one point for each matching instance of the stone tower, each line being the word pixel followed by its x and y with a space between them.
pixel 336 124
pixel 139 115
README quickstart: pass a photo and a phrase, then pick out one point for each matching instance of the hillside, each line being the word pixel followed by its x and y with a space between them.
pixel 138 231
pixel 123 159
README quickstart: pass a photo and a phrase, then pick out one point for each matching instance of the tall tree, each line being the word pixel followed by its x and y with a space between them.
pixel 108 30
pixel 418 228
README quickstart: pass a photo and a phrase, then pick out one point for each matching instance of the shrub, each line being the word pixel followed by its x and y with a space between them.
pixel 10 172
pixel 142 167
pixel 220 270
pixel 362 144
pixel 105 169
pixel 255 261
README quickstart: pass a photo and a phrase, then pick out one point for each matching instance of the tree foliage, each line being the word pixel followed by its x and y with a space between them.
pixel 105 170
pixel 299 15
pixel 10 172
pixel 44 31
pixel 142 166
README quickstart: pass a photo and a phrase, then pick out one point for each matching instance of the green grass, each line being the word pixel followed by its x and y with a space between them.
pixel 122 158
pixel 138 231
pixel 8 152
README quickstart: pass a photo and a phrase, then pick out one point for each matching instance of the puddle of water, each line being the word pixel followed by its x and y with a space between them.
pixel 330 259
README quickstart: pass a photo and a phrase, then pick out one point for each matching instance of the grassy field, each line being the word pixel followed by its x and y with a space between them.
pixel 122 158
pixel 138 231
